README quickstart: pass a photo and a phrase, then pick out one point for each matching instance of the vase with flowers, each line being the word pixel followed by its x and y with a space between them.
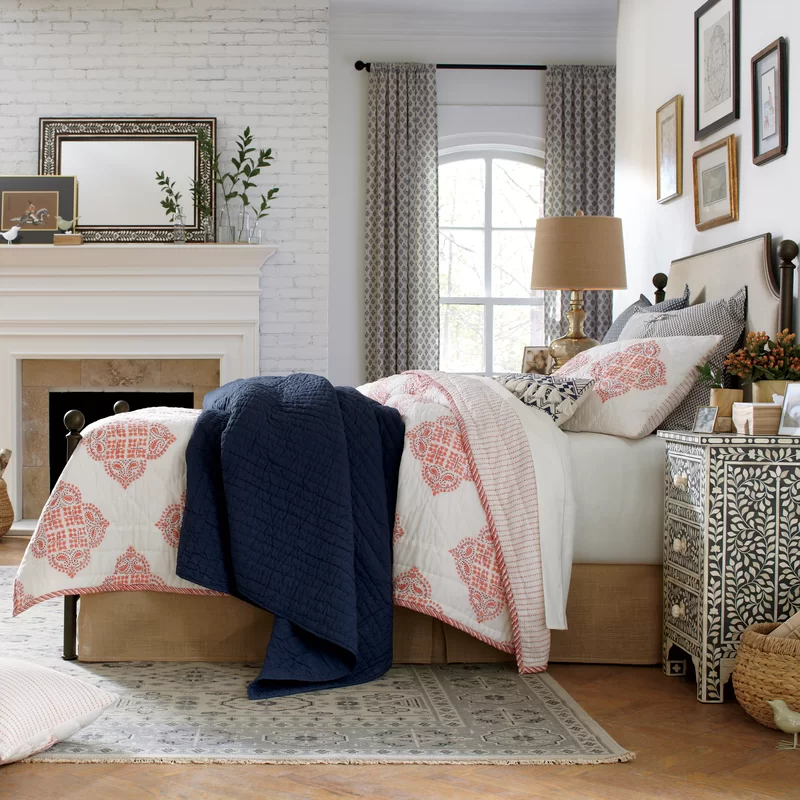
pixel 769 364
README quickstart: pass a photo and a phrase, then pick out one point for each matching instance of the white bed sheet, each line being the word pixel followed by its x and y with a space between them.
pixel 618 486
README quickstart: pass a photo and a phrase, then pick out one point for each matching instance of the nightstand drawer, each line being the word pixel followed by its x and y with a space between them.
pixel 686 480
pixel 682 610
pixel 684 545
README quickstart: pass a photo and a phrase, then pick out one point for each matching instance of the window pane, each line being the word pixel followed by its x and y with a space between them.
pixel 461 263
pixel 462 195
pixel 516 193
pixel 461 338
pixel 512 261
pixel 515 327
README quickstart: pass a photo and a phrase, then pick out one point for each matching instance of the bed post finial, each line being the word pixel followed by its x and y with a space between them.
pixel 121 407
pixel 73 422
pixel 660 282
pixel 787 253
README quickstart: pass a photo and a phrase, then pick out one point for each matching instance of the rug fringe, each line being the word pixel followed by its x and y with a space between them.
pixel 621 758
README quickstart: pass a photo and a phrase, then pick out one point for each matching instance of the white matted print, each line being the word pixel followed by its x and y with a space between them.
pixel 716 184
pixel 790 415
pixel 669 150
pixel 716 65
pixel 770 91
pixel 537 361
pixel 705 419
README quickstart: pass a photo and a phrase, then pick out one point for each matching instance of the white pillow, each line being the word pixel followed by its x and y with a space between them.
pixel 638 382
pixel 40 707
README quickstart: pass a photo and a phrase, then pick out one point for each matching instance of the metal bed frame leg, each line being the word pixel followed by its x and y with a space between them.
pixel 70 628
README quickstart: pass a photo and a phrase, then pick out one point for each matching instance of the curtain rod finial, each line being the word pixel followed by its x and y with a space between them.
pixel 362 65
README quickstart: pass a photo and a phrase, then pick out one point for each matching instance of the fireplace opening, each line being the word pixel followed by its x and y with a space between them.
pixel 96 406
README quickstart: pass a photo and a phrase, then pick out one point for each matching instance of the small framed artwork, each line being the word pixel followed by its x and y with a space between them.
pixel 770 95
pixel 537 361
pixel 669 150
pixel 716 184
pixel 790 414
pixel 34 203
pixel 705 419
pixel 716 66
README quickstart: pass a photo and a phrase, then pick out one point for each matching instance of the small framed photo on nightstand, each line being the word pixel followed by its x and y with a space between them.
pixel 705 419
pixel 790 415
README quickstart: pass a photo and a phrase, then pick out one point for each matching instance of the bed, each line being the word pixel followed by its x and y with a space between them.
pixel 614 606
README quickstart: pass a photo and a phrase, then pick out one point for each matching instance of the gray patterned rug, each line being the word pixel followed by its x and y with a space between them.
pixel 413 715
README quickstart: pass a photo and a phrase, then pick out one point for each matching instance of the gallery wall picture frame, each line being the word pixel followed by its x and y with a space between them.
pixel 716 184
pixel 34 203
pixel 770 82
pixel 669 150
pixel 115 160
pixel 716 66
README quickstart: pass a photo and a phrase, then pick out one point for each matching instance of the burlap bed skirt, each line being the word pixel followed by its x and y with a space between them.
pixel 614 616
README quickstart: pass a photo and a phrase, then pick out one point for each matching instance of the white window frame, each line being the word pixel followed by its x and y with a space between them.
pixel 488 153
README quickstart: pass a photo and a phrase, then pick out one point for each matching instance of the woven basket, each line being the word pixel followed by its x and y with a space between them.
pixel 767 668
pixel 6 510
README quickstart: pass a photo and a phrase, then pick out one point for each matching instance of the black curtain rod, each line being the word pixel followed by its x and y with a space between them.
pixel 367 64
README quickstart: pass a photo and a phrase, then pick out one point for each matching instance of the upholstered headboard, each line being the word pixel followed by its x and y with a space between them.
pixel 719 273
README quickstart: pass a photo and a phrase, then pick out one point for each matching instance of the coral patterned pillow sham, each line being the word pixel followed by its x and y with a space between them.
pixel 557 397
pixel 40 707
pixel 637 382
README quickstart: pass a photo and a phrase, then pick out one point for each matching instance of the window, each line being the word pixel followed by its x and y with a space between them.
pixel 488 206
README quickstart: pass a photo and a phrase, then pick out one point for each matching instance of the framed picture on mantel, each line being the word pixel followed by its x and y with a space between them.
pixel 33 203
pixel 716 66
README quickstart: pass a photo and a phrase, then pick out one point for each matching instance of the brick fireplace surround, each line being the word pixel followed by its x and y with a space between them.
pixel 138 317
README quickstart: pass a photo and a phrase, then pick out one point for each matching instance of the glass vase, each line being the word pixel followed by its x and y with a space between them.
pixel 226 232
pixel 179 229
pixel 247 224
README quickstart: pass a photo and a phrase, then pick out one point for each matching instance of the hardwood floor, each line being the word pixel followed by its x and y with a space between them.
pixel 683 750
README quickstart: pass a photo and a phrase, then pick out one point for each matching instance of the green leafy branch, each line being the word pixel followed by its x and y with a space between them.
pixel 710 376
pixel 171 202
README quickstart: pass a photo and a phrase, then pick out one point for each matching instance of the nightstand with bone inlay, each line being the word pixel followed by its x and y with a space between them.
pixel 731 546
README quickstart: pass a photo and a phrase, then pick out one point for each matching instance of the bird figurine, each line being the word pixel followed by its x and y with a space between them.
pixel 787 720
pixel 10 234
pixel 66 224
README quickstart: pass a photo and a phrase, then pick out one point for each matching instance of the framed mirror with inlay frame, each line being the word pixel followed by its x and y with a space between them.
pixel 115 160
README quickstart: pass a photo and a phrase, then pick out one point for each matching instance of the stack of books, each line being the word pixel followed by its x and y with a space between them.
pixel 756 419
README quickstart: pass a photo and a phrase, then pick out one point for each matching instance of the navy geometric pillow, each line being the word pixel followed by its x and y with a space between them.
pixel 557 397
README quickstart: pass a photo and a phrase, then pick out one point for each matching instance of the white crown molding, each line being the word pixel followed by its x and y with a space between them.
pixel 439 26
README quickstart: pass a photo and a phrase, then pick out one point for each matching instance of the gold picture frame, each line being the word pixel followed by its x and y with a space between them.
pixel 669 150
pixel 39 206
pixel 716 184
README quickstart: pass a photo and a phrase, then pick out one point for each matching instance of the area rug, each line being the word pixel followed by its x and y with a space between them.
pixel 453 714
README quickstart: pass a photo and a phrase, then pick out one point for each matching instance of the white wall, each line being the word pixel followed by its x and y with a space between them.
pixel 655 61
pixel 506 102
pixel 262 63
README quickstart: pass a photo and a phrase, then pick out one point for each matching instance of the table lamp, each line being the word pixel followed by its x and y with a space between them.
pixel 577 253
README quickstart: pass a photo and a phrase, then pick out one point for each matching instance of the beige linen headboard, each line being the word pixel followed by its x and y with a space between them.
pixel 717 274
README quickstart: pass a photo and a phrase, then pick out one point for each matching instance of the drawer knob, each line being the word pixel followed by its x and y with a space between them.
pixel 678 544
pixel 679 610
pixel 680 481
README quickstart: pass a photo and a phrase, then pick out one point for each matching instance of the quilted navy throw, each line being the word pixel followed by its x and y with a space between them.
pixel 290 502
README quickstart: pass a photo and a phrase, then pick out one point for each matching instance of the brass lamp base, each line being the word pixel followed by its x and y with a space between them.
pixel 567 347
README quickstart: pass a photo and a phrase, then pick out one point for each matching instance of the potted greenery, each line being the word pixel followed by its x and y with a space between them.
pixel 766 363
pixel 172 205
pixel 720 398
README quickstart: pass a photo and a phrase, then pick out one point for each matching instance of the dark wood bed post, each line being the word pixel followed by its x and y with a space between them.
pixel 74 422
pixel 787 253
pixel 660 282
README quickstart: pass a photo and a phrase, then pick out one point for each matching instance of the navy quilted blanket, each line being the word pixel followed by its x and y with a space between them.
pixel 290 502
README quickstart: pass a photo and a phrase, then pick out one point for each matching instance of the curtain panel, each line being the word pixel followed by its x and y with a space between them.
pixel 402 226
pixel 579 171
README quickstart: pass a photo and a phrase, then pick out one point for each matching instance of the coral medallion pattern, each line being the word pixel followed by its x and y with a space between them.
pixel 125 447
pixel 171 520
pixel 440 448
pixel 476 564
pixel 68 530
pixel 132 571
pixel 413 590
pixel 634 367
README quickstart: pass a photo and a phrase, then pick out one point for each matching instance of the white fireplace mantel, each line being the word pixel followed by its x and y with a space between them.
pixel 124 301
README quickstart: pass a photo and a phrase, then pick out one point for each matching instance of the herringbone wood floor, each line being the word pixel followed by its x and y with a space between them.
pixel 685 751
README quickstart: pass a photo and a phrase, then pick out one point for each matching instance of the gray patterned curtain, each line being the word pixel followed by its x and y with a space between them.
pixel 579 170
pixel 402 230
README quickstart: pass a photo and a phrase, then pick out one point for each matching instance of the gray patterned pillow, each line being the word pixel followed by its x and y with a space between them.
pixel 558 397
pixel 643 304
pixel 720 317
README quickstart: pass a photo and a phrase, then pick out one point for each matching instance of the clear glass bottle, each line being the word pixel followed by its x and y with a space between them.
pixel 179 229
pixel 226 233
pixel 247 224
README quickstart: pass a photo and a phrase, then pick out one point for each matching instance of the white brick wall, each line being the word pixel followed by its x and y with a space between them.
pixel 262 63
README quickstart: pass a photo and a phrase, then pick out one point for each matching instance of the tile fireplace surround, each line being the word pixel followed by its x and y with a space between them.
pixel 120 316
